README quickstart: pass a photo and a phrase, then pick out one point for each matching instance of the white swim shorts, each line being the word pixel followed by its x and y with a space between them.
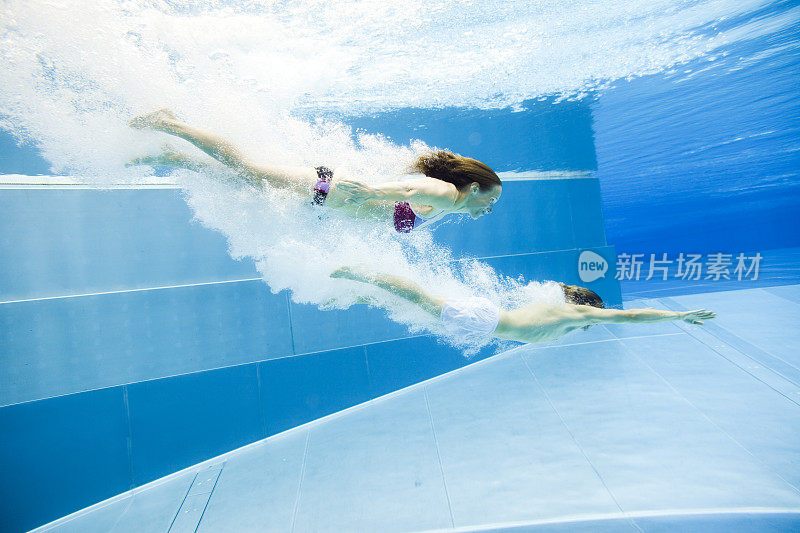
pixel 470 319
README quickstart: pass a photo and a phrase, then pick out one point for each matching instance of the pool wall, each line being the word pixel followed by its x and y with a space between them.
pixel 134 346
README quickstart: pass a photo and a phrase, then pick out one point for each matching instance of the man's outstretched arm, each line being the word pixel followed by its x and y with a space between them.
pixel 640 316
pixel 403 287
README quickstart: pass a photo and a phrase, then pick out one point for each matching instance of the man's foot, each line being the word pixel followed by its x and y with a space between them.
pixel 356 273
pixel 343 272
pixel 169 157
pixel 155 120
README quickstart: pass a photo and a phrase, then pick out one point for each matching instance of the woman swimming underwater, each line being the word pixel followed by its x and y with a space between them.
pixel 448 183
pixel 476 319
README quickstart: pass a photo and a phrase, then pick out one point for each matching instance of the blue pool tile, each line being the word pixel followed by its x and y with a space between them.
pixel 374 469
pixel 258 487
pixel 596 333
pixel 762 421
pixel 587 212
pixel 60 455
pixel 542 266
pixel 194 505
pixel 397 364
pixel 76 241
pixel 751 315
pixel 535 470
pixel 296 390
pixel 179 421
pixel 780 373
pixel 787 292
pixel 315 330
pixel 531 215
pixel 63 346
pixel 155 507
pixel 624 416
pixel 543 134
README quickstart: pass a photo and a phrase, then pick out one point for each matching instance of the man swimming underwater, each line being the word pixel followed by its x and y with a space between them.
pixel 474 319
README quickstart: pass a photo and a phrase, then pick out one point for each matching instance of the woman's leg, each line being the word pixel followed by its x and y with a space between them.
pixel 301 179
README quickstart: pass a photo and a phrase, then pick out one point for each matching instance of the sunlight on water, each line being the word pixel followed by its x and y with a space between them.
pixel 264 74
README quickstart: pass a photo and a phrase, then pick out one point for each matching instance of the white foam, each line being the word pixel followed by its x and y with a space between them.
pixel 74 72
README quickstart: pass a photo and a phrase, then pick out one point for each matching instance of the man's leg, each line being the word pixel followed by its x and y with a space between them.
pixel 403 287
pixel 169 157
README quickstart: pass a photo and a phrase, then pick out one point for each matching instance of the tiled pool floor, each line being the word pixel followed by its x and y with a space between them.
pixel 622 428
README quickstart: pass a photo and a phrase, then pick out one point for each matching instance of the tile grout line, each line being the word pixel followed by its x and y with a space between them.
pixel 740 367
pixel 129 435
pixel 291 326
pixel 300 482
pixel 796 302
pixel 575 440
pixel 676 306
pixel 706 417
pixel 124 291
pixel 178 512
pixel 220 282
pixel 256 362
pixel 123 513
pixel 600 340
pixel 645 294
pixel 210 495
pixel 439 457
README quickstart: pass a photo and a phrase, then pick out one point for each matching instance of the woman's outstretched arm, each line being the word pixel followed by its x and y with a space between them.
pixel 403 287
pixel 301 179
pixel 426 191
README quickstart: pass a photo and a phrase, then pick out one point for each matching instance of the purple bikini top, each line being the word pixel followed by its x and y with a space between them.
pixel 404 217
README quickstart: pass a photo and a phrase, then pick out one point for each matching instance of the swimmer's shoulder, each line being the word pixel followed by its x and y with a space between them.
pixel 536 322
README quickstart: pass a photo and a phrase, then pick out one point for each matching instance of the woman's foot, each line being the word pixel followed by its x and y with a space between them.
pixel 155 120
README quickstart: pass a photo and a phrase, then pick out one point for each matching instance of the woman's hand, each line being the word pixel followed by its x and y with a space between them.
pixel 697 317
pixel 356 192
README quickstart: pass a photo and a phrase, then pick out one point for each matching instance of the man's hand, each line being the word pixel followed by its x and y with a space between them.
pixel 697 317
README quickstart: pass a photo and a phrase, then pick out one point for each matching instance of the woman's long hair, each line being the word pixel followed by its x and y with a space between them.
pixel 459 170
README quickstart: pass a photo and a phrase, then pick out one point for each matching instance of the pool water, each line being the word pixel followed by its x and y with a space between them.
pixel 167 358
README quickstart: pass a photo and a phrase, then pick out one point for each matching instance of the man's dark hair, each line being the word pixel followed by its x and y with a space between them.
pixel 582 296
